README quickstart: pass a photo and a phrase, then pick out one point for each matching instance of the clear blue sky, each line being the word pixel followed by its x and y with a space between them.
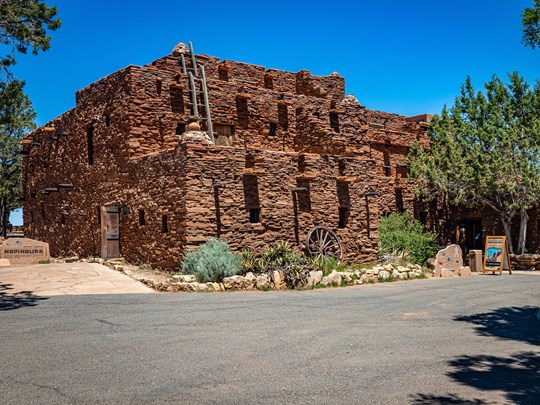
pixel 406 57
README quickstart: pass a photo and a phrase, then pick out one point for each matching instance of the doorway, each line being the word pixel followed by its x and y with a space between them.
pixel 110 232
pixel 469 235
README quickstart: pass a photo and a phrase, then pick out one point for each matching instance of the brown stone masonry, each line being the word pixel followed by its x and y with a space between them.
pixel 291 152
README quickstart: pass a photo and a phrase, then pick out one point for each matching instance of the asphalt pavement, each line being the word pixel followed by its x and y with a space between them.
pixel 471 340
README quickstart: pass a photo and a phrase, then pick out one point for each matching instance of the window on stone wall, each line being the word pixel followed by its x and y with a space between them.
pixel 423 217
pixel 334 122
pixel 283 116
pixel 90 144
pixel 242 112
pixel 255 215
pixel 62 219
pixel 344 213
pixel 272 130
pixel 180 129
pixel 33 194
pixel 223 74
pixel 268 82
pixel 399 200
pixel 142 220
pixel 107 120
pixel 386 165
pixel 224 134
pixel 164 224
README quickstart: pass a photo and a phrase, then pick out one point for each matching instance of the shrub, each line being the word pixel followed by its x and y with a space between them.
pixel 249 263
pixel 295 266
pixel 400 234
pixel 280 255
pixel 211 262
pixel 327 264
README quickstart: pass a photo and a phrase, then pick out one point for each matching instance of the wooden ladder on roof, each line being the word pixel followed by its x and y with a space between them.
pixel 198 91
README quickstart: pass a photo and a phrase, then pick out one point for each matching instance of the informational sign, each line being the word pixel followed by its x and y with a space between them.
pixel 24 251
pixel 497 256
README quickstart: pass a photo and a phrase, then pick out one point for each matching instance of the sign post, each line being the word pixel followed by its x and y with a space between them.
pixel 497 255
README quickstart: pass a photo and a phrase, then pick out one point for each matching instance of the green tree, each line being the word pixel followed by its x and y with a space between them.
pixel 23 26
pixel 484 151
pixel 16 119
pixel 530 20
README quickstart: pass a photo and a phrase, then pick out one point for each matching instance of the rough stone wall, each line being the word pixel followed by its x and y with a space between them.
pixel 290 130
pixel 249 180
pixel 58 154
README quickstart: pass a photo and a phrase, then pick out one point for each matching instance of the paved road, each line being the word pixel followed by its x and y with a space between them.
pixel 453 341
pixel 66 279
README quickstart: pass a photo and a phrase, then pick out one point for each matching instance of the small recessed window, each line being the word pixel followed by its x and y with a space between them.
pixel 255 215
pixel 223 74
pixel 224 134
pixel 107 120
pixel 142 220
pixel 90 144
pixel 423 217
pixel 180 129
pixel 334 122
pixel 268 82
pixel 33 194
pixel 283 116
pixel 344 213
pixel 164 224
pixel 62 219
pixel 272 131
pixel 159 84
pixel 399 200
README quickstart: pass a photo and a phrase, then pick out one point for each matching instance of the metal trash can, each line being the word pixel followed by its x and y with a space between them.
pixel 476 260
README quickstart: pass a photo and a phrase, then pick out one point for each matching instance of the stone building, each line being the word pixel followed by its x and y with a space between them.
pixel 155 159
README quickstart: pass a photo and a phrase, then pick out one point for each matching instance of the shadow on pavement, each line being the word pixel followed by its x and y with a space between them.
pixel 514 323
pixel 517 376
pixel 449 399
pixel 17 299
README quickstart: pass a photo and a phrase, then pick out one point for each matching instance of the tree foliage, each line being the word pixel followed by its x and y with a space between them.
pixel 530 19
pixel 16 119
pixel 485 151
pixel 23 26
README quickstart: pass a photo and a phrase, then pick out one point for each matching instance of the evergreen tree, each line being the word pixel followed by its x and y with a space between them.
pixel 23 26
pixel 485 150
pixel 530 19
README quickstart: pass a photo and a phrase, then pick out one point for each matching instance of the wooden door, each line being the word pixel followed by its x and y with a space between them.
pixel 110 232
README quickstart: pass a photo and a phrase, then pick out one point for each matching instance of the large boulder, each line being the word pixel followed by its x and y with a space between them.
pixel 315 277
pixel 450 258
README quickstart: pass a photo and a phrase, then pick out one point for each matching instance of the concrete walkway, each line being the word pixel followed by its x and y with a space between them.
pixel 67 279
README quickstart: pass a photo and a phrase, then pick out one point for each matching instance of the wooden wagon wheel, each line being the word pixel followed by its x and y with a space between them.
pixel 322 242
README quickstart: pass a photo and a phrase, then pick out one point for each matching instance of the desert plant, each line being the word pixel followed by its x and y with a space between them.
pixel 249 262
pixel 400 234
pixel 294 266
pixel 211 262
pixel 280 255
pixel 327 264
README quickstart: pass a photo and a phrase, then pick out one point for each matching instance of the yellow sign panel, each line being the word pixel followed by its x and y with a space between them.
pixel 497 256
